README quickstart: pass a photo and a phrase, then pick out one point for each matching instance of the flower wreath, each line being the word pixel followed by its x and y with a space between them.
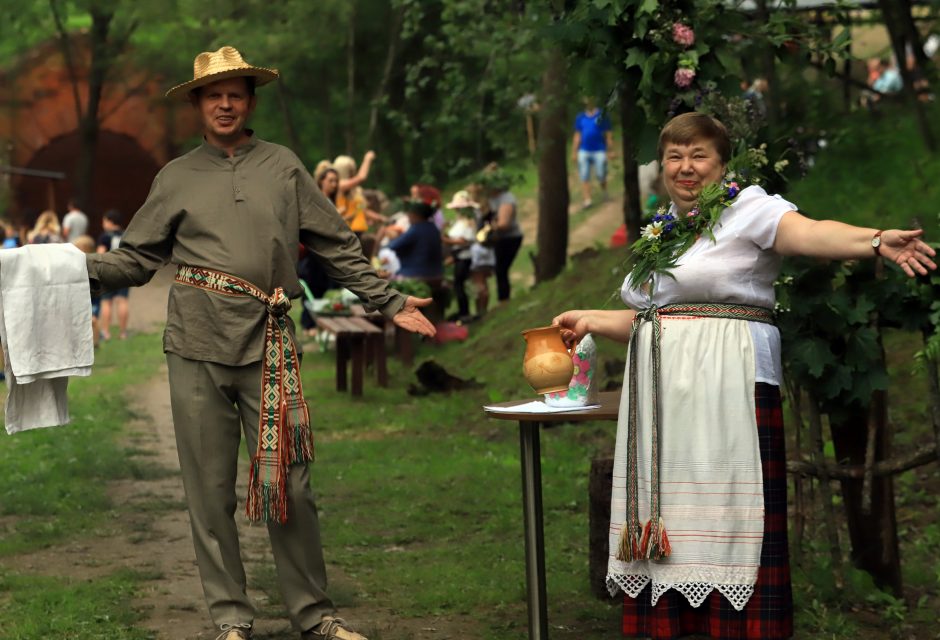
pixel 668 236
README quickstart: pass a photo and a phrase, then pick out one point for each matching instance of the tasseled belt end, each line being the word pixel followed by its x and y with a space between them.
pixel 655 543
pixel 652 545
pixel 629 549
pixel 267 494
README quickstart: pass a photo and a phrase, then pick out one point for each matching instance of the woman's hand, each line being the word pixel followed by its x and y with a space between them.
pixel 613 324
pixel 411 319
pixel 574 326
pixel 908 251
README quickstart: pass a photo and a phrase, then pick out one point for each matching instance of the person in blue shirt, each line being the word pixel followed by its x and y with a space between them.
pixel 420 249
pixel 592 146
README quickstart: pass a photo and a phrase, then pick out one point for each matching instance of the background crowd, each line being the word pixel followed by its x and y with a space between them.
pixel 450 251
pixel 75 228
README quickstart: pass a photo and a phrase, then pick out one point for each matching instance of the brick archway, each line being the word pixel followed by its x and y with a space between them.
pixel 139 131
pixel 122 179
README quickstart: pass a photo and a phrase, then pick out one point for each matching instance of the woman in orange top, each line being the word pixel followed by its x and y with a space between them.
pixel 350 201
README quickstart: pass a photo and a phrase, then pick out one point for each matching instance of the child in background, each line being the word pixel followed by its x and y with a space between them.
pixel 109 241
pixel 460 238
pixel 87 245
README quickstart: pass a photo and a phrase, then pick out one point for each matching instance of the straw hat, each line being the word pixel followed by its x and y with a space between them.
pixel 461 200
pixel 212 66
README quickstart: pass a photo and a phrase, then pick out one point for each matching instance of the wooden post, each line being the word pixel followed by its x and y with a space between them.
pixel 342 355
pixel 50 195
pixel 358 362
pixel 599 490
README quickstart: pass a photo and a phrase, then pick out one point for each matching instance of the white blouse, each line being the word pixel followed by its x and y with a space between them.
pixel 739 267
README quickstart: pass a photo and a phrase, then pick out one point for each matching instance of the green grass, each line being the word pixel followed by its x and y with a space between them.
pixel 56 478
pixel 58 607
pixel 55 490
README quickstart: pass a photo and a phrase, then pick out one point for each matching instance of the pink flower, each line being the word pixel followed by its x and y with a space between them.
pixel 681 34
pixel 684 77
pixel 581 368
pixel 692 212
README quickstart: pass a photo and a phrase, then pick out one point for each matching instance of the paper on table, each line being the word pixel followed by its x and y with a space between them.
pixel 537 406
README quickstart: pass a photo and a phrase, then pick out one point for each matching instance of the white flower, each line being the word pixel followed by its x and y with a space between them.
pixel 653 231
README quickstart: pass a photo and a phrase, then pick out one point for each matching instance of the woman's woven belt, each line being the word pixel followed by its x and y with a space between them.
pixel 650 542
pixel 284 434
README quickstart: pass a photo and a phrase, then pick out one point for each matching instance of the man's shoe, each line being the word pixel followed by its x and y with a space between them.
pixel 331 628
pixel 234 633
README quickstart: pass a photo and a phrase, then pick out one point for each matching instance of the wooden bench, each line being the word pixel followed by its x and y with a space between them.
pixel 357 340
pixel 404 340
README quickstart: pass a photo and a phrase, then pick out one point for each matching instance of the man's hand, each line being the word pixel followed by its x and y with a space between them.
pixel 411 319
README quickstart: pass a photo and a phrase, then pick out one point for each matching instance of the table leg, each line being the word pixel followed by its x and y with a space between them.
pixel 358 345
pixel 342 355
pixel 381 368
pixel 404 345
pixel 534 534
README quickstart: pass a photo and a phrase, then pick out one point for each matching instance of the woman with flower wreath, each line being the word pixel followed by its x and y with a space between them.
pixel 698 537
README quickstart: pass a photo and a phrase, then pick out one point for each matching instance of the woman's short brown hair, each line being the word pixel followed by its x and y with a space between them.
pixel 687 128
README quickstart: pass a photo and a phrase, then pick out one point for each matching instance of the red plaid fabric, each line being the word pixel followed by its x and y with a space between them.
pixel 768 615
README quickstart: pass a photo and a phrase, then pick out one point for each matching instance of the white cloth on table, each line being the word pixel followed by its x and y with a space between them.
pixel 45 328
pixel 738 267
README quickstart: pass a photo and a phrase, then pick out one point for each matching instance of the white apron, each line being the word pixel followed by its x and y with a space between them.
pixel 711 484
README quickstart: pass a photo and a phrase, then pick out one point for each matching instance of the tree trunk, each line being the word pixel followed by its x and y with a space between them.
pixel 768 67
pixel 350 79
pixel 874 533
pixel 631 120
pixel 283 99
pixel 894 21
pixel 391 56
pixel 102 57
pixel 913 35
pixel 553 194
pixel 66 48
pixel 599 490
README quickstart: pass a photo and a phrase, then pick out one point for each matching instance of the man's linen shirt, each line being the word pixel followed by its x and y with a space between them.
pixel 242 215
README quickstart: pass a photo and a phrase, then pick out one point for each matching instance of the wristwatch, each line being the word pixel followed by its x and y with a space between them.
pixel 876 243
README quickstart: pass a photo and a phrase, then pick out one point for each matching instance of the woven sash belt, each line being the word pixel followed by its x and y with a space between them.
pixel 651 542
pixel 284 434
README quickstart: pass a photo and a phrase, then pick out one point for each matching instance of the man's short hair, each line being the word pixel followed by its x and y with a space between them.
pixel 114 217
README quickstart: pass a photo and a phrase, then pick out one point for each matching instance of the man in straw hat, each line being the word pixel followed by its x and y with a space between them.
pixel 229 215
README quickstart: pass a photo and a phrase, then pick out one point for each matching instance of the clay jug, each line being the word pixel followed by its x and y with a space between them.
pixel 547 364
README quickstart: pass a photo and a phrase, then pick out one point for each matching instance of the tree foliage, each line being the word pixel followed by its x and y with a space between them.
pixel 442 106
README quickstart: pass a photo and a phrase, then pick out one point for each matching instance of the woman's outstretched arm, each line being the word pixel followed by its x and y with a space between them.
pixel 798 235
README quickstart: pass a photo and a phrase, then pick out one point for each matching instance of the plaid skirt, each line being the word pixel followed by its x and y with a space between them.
pixel 768 615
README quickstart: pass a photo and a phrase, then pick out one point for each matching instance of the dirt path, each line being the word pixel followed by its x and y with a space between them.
pixel 600 224
pixel 597 227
